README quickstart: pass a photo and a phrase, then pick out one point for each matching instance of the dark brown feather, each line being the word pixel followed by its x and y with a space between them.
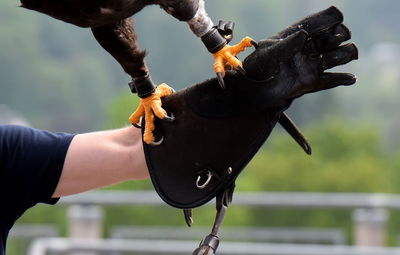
pixel 93 13
pixel 119 39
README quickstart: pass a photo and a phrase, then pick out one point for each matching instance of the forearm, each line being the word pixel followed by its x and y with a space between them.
pixel 100 159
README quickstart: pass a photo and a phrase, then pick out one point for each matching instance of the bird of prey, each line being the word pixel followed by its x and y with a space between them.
pixel 112 26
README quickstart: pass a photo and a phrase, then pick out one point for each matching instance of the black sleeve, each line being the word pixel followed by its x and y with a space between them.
pixel 31 162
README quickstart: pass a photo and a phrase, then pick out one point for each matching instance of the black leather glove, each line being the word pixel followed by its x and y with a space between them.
pixel 283 67
pixel 217 132
pixel 293 62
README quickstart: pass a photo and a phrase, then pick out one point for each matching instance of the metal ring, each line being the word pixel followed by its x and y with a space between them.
pixel 209 176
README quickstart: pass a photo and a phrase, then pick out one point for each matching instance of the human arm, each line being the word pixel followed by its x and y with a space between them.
pixel 100 159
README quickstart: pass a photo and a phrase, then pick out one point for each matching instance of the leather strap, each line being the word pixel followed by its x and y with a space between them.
pixel 213 40
pixel 143 86
pixel 218 36
pixel 210 243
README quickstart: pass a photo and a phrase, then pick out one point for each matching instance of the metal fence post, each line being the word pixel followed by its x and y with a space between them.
pixel 370 226
pixel 85 222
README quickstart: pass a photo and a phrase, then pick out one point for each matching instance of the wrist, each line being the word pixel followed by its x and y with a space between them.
pixel 131 142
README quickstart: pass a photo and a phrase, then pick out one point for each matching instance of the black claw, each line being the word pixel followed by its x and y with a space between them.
pixel 241 70
pixel 254 43
pixel 136 125
pixel 158 142
pixel 221 80
pixel 169 118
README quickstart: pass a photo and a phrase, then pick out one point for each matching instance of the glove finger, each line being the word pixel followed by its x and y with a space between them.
pixel 291 45
pixel 332 38
pixel 340 56
pixel 331 80
pixel 314 23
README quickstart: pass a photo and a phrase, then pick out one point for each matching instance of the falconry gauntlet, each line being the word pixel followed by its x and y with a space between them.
pixel 217 131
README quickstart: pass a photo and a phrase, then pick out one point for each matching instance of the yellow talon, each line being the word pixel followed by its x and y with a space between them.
pixel 227 55
pixel 149 107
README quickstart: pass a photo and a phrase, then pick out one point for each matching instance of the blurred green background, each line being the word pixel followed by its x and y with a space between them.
pixel 57 77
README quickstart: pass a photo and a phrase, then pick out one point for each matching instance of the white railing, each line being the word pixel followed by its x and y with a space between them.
pixel 369 217
pixel 236 234
pixel 62 245
pixel 258 199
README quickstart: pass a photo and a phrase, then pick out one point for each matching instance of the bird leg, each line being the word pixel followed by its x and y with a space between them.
pixel 120 40
pixel 216 40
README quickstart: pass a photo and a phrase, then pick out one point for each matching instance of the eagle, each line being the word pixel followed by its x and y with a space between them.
pixel 112 26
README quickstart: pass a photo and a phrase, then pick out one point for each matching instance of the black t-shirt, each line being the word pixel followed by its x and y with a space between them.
pixel 31 162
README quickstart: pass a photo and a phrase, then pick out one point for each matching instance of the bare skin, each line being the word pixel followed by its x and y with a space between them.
pixel 101 159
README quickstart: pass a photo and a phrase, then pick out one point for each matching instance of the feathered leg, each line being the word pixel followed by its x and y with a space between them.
pixel 119 39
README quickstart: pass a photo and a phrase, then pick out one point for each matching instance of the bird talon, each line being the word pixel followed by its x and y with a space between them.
pixel 149 108
pixel 254 43
pixel 158 143
pixel 169 118
pixel 227 56
pixel 241 70
pixel 136 124
pixel 220 79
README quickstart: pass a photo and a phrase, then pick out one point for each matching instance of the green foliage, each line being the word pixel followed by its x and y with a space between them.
pixel 120 108
pixel 344 160
pixel 51 73
pixel 60 79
